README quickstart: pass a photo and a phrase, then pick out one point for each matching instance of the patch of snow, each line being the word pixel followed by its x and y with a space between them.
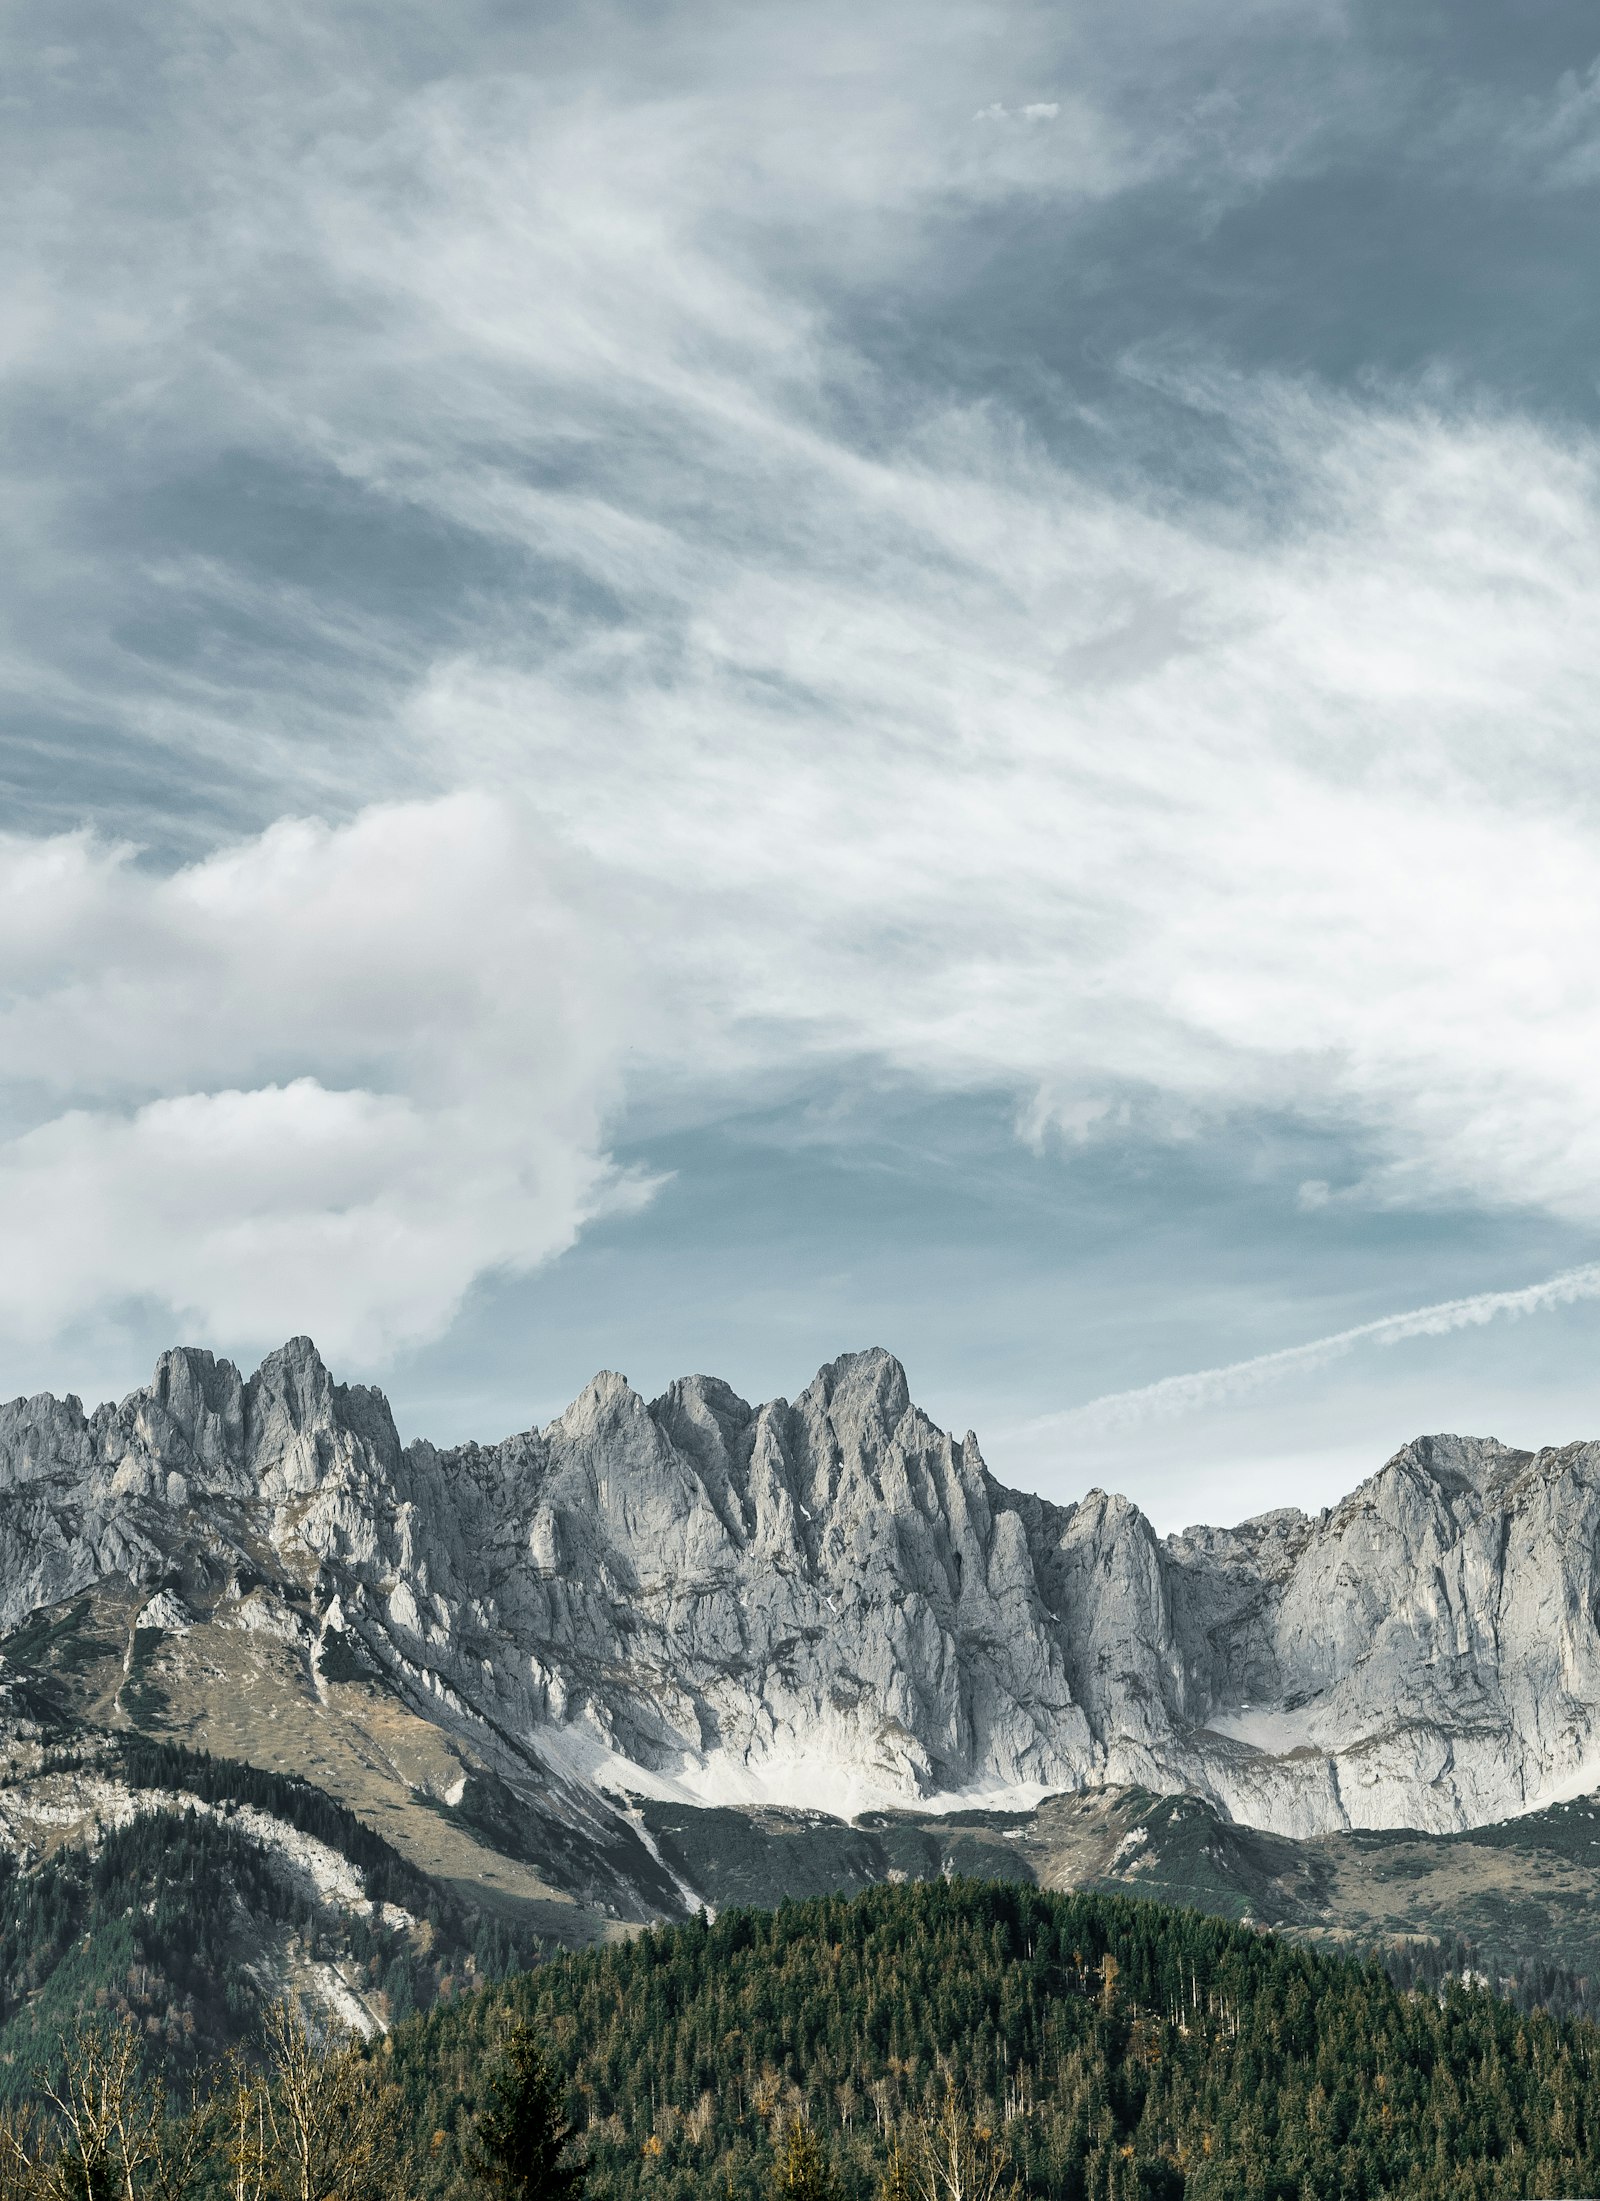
pixel 1019 1796
pixel 799 1782
pixel 1273 1732
pixel 795 1780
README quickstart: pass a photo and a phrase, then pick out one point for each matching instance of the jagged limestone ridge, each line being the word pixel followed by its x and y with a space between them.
pixel 833 1601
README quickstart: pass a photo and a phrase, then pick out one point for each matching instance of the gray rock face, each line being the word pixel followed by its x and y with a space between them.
pixel 833 1603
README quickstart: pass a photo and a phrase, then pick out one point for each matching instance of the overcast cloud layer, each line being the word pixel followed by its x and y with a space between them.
pixel 571 580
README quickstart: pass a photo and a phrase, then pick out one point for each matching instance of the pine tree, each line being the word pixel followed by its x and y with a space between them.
pixel 895 2183
pixel 520 2150
pixel 802 2171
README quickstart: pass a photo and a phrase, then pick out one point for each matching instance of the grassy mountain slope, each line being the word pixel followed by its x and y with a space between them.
pixel 197 1890
pixel 262 1695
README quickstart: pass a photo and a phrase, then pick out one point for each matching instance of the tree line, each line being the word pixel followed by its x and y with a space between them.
pixel 945 2041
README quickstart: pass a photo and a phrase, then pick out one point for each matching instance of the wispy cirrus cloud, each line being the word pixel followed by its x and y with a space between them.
pixel 512 523
pixel 1173 1397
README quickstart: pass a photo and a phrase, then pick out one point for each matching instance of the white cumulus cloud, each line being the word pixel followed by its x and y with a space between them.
pixel 465 1030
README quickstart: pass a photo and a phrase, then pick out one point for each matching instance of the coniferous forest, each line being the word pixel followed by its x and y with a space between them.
pixel 1111 2050
pixel 938 2041
pixel 144 1922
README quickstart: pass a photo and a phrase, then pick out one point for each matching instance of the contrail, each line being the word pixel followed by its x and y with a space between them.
pixel 1207 1386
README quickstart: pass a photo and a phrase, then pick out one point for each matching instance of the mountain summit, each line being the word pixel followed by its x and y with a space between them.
pixel 829 1603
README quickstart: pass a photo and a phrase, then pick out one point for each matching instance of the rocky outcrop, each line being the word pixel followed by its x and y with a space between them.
pixel 833 1603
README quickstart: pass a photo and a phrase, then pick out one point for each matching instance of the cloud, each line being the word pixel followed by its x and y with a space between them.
pixel 368 1216
pixel 466 1031
pixel 1035 110
pixel 1175 1396
pixel 1549 140
pixel 502 458
pixel 1567 133
pixel 876 813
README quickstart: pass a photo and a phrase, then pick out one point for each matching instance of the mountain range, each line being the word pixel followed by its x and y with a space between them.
pixel 582 1674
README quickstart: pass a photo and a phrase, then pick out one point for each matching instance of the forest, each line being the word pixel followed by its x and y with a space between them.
pixel 162 1921
pixel 935 2041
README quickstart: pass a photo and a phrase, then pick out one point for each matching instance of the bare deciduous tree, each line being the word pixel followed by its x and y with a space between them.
pixel 332 2121
pixel 895 2183
pixel 955 2155
pixel 319 2126
pixel 239 2115
pixel 111 2122
pixel 23 2156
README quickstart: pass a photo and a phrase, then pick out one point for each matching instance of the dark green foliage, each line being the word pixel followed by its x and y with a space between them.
pixel 1527 1983
pixel 1124 2052
pixel 145 1763
pixel 149 1925
pixel 166 1918
pixel 520 2145
pixel 801 2170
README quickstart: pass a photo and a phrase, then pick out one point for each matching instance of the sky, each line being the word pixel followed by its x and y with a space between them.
pixel 691 686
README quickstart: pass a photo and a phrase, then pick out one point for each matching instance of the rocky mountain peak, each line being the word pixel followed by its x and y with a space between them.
pixel 203 1399
pixel 299 1423
pixel 709 1425
pixel 607 1408
pixel 860 1389
pixel 835 1601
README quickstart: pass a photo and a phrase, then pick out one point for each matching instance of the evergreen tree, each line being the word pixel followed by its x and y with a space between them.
pixel 520 2150
pixel 894 2181
pixel 802 2171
